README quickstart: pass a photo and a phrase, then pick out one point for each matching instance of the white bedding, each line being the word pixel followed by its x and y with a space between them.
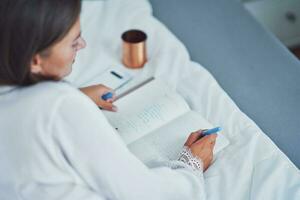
pixel 251 167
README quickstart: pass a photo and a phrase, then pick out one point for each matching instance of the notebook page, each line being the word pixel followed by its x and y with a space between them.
pixel 166 142
pixel 146 109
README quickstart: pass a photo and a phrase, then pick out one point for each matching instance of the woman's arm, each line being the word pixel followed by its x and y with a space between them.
pixel 99 156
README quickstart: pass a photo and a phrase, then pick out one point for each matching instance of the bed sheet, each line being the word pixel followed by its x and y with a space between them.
pixel 252 166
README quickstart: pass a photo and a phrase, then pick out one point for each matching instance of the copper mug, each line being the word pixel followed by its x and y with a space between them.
pixel 134 49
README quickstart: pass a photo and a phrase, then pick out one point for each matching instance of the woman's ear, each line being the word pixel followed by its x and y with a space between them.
pixel 36 64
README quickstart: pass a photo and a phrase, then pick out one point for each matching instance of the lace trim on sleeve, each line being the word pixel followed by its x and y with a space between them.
pixel 188 158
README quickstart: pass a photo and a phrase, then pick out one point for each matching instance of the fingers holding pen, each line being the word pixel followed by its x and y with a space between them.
pixel 193 137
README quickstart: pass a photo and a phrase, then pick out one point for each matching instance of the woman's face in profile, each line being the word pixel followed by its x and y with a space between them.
pixel 58 63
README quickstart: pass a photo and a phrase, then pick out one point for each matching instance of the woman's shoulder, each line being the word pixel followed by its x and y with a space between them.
pixel 50 93
pixel 52 88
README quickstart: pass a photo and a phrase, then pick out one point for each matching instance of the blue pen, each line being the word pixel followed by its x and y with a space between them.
pixel 107 96
pixel 211 131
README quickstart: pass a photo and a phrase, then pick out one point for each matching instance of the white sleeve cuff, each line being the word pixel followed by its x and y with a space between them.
pixel 188 158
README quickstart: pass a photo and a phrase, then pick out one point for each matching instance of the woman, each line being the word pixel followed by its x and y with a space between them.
pixel 54 141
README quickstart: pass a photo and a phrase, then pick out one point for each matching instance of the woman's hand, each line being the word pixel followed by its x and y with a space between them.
pixel 203 147
pixel 95 92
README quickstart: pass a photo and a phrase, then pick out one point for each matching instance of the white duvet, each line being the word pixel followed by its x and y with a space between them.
pixel 252 166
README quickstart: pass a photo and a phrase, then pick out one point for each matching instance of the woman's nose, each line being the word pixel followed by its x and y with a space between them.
pixel 82 43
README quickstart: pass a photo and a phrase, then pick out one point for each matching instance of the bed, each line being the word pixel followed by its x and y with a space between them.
pixel 251 65
pixel 252 166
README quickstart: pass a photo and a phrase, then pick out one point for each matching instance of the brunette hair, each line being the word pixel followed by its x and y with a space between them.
pixel 28 27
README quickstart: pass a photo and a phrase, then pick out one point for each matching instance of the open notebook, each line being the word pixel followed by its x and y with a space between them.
pixel 155 121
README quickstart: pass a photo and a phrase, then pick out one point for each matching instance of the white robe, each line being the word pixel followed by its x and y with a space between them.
pixel 56 144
